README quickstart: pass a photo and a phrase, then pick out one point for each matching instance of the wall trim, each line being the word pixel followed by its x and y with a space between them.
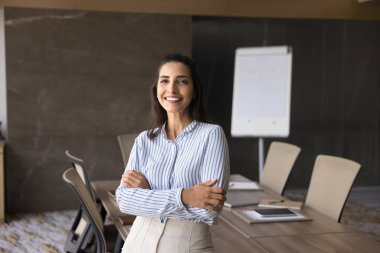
pixel 304 9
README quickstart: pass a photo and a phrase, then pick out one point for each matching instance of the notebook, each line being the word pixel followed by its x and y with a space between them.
pixel 241 198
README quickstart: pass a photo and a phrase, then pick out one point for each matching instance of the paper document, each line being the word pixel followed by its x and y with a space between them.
pixel 234 185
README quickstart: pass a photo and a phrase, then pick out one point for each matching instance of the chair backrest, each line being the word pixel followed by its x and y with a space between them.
pixel 330 184
pixel 79 165
pixel 72 177
pixel 126 142
pixel 278 165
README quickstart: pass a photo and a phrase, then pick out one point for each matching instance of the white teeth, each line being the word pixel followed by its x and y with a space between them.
pixel 172 98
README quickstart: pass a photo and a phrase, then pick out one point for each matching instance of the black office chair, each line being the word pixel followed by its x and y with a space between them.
pixel 79 165
pixel 89 207
pixel 80 235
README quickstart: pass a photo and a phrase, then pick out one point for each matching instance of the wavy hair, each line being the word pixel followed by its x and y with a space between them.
pixel 197 110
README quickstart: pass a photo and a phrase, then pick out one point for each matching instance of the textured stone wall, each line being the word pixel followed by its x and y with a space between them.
pixel 75 80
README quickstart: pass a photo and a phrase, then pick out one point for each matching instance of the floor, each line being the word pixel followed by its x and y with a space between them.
pixel 47 232
pixel 363 210
pixel 35 233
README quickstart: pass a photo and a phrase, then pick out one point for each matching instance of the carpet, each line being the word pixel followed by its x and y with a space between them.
pixel 36 233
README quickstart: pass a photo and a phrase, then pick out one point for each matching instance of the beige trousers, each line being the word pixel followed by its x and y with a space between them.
pixel 149 235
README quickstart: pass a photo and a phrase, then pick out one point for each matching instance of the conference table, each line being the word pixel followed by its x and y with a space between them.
pixel 233 234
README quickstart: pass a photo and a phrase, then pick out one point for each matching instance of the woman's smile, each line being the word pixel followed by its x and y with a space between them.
pixel 172 99
pixel 175 88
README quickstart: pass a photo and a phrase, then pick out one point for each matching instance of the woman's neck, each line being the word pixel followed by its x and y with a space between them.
pixel 175 125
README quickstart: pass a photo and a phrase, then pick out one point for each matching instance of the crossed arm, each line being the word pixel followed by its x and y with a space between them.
pixel 203 195
pixel 201 202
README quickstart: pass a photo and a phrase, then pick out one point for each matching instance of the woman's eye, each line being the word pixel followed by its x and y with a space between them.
pixel 163 81
pixel 183 81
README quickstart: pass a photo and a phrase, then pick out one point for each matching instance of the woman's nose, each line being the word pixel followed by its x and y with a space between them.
pixel 172 87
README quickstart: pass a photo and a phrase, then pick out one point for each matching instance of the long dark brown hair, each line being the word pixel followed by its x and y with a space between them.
pixel 197 109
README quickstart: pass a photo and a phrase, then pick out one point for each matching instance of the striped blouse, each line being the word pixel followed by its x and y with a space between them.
pixel 199 154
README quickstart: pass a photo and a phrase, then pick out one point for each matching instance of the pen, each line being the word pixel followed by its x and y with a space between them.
pixel 276 201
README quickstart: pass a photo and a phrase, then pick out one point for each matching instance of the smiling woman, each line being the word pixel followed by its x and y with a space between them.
pixel 175 90
pixel 177 174
pixel 181 73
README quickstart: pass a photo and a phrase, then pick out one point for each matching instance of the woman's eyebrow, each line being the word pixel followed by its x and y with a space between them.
pixel 180 76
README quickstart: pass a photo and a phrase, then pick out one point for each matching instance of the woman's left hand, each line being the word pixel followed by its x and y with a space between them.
pixel 134 179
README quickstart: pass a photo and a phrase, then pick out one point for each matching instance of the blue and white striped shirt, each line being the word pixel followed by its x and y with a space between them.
pixel 199 154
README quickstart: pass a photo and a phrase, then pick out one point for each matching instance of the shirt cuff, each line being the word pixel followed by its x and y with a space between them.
pixel 179 199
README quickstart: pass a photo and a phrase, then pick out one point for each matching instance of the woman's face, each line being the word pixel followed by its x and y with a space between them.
pixel 175 87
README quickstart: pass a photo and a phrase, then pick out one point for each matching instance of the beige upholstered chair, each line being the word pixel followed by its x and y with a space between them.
pixel 330 184
pixel 72 177
pixel 126 142
pixel 278 165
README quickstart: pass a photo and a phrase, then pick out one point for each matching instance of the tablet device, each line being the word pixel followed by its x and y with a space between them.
pixel 275 212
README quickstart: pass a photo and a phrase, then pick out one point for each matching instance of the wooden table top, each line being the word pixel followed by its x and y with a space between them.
pixel 320 243
pixel 233 234
pixel 102 189
pixel 318 225
pixel 224 238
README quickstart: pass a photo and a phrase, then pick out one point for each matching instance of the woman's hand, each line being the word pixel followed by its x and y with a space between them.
pixel 134 179
pixel 205 196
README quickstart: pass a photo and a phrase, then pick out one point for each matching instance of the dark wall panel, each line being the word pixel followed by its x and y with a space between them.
pixel 335 106
pixel 75 80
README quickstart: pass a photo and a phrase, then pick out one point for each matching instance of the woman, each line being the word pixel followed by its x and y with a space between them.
pixel 177 174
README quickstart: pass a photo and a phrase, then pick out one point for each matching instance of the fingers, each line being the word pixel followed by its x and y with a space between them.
pixel 128 177
pixel 135 179
pixel 133 176
pixel 217 197
pixel 217 193
pixel 128 181
pixel 218 190
pixel 214 189
pixel 215 202
pixel 215 207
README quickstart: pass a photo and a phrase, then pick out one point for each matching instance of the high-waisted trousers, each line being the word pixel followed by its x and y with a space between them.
pixel 149 235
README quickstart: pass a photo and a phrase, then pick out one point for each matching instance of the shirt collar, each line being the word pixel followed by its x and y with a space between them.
pixel 187 130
